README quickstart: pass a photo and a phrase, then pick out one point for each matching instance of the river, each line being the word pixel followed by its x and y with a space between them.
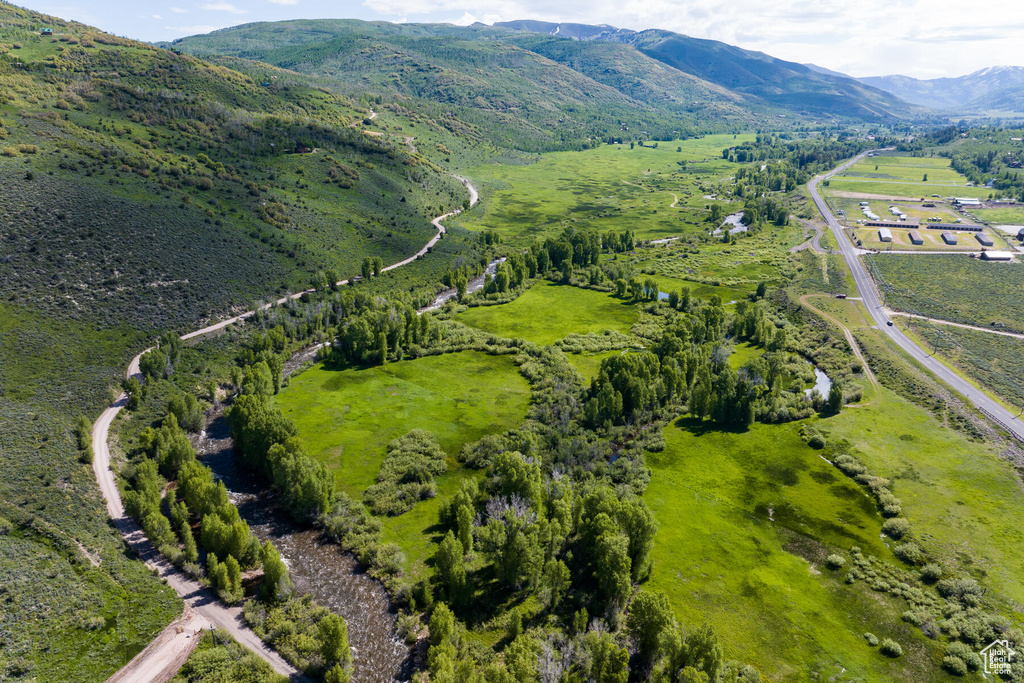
pixel 317 566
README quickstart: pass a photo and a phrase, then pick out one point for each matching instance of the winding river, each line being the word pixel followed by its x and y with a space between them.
pixel 317 566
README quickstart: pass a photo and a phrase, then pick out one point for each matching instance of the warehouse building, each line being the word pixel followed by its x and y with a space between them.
pixel 884 235
pixel 967 227
pixel 915 237
pixel 996 256
pixel 948 237
pixel 985 240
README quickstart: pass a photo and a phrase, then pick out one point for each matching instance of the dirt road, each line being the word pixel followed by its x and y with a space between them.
pixel 163 657
pixel 846 333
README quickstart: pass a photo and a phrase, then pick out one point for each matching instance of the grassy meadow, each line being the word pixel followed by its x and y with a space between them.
pixel 548 312
pixel 612 187
pixel 347 417
pixel 1004 215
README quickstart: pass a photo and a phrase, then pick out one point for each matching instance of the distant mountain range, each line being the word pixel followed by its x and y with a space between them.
pixel 994 89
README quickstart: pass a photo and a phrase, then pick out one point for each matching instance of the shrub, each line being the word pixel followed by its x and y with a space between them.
pixel 407 473
pixel 965 654
pixel 954 665
pixel 931 572
pixel 890 648
pixel 896 527
pixel 871 638
pixel 910 553
pixel 835 561
pixel 912 617
pixel 10 152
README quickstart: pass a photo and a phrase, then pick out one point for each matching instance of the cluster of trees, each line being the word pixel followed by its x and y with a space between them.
pixel 407 473
pixel 808 156
pixel 378 332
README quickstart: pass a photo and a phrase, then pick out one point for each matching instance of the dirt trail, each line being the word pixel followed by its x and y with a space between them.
pixel 891 313
pixel 160 661
pixel 846 333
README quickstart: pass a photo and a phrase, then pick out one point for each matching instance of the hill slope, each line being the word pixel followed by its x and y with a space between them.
pixel 526 93
pixel 787 85
pixel 144 190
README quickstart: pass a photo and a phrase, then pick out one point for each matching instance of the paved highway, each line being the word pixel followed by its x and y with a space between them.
pixel 866 290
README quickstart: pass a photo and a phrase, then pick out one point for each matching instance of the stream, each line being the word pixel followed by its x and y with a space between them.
pixel 473 285
pixel 317 566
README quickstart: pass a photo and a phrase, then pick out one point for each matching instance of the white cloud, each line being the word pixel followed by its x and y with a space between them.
pixel 178 10
pixel 284 2
pixel 224 7
pixel 157 16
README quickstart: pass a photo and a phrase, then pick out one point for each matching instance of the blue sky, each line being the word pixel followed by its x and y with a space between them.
pixel 921 38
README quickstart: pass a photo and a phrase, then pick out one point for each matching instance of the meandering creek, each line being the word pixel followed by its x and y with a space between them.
pixel 317 566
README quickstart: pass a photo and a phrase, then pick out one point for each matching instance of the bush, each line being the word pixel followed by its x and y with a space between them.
pixel 890 648
pixel 954 665
pixel 930 573
pixel 897 527
pixel 912 617
pixel 910 553
pixel 965 654
pixel 835 561
pixel 871 638
pixel 407 473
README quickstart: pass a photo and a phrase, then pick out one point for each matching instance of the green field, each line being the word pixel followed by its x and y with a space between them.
pixel 903 176
pixel 548 312
pixel 347 417
pixel 1001 216
pixel 612 187
pixel 746 520
pixel 954 288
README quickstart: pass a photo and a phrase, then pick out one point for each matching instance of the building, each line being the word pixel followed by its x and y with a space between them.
pixel 890 224
pixel 984 240
pixel 1020 235
pixel 967 202
pixel 948 237
pixel 967 227
pixel 884 235
pixel 915 237
pixel 996 256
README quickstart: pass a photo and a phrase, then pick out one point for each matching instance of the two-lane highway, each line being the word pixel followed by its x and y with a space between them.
pixel 866 290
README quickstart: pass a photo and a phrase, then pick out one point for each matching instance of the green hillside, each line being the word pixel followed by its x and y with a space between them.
pixel 144 190
pixel 526 92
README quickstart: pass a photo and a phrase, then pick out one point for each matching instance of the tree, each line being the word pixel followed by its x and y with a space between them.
pixel 382 348
pixel 716 214
pixel 367 269
pixel 442 625
pixel 276 581
pixel 464 519
pixel 334 639
pixel 762 289
pixel 649 617
pixel 612 567
pixel 835 398
pixel 450 568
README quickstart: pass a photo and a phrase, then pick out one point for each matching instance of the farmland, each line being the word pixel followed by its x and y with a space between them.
pixel 903 176
pixel 1008 215
pixel 612 187
pixel 953 288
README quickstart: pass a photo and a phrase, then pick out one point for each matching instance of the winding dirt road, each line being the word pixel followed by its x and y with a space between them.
pixel 846 333
pixel 160 661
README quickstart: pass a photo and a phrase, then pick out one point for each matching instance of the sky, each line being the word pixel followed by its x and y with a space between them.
pixel 920 38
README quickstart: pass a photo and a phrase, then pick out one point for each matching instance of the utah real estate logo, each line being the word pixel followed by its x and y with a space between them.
pixel 998 657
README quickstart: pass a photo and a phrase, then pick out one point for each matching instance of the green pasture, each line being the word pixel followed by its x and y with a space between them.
pixel 611 187
pixel 902 188
pixel 746 520
pixel 896 168
pixel 1004 215
pixel 548 312
pixel 347 417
